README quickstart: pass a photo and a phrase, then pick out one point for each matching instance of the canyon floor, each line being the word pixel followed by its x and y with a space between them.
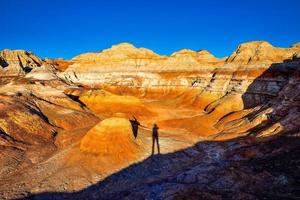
pixel 228 128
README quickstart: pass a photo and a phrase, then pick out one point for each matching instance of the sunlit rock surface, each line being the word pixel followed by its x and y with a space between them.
pixel 228 128
pixel 261 52
pixel 18 61
pixel 112 137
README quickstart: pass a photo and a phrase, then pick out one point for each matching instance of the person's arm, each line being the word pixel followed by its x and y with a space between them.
pixel 144 127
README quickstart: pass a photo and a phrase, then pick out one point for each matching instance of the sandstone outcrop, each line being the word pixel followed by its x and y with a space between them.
pixel 21 63
pixel 112 138
pixel 43 72
pixel 126 65
pixel 228 128
pixel 296 56
pixel 129 61
pixel 187 57
pixel 107 104
pixel 60 63
pixel 18 62
pixel 261 52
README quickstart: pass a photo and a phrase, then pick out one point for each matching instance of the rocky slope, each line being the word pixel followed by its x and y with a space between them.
pixel 229 128
pixel 208 170
pixel 260 52
pixel 20 62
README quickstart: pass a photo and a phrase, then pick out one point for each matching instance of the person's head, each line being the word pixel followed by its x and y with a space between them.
pixel 155 125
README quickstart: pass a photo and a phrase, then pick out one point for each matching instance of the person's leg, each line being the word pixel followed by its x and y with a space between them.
pixel 157 143
pixel 153 145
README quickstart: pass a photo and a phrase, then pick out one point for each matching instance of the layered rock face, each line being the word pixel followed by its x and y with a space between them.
pixel 131 62
pixel 20 62
pixel 214 82
pixel 254 74
pixel 261 52
pixel 60 63
pixel 228 128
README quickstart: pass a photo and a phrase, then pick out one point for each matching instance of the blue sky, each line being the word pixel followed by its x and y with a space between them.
pixel 65 28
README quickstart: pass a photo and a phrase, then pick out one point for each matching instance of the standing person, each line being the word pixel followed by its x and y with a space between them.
pixel 155 138
pixel 134 126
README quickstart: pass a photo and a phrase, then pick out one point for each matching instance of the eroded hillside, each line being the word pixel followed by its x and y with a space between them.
pixel 227 127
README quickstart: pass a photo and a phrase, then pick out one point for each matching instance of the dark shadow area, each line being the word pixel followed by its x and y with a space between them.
pixel 276 89
pixel 76 98
pixel 3 63
pixel 241 168
pixel 38 112
pixel 187 174
pixel 268 85
pixel 27 69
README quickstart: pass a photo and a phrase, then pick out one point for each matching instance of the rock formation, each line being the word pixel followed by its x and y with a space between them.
pixel 18 62
pixel 261 52
pixel 129 61
pixel 112 138
pixel 228 128
pixel 60 63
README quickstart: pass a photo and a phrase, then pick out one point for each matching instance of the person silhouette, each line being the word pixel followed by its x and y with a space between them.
pixel 134 126
pixel 155 138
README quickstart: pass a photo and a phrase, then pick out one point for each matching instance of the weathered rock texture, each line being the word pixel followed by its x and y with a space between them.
pixel 261 52
pixel 131 61
pixel 20 62
pixel 228 128
pixel 112 138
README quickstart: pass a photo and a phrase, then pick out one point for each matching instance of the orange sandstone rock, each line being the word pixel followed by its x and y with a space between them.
pixel 112 137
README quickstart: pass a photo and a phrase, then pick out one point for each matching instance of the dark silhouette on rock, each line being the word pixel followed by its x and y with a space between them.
pixel 135 126
pixel 155 138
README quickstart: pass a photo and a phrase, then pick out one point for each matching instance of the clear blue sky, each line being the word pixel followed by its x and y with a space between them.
pixel 65 28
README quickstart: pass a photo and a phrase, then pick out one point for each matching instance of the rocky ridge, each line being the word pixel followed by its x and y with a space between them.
pixel 261 52
pixel 124 64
